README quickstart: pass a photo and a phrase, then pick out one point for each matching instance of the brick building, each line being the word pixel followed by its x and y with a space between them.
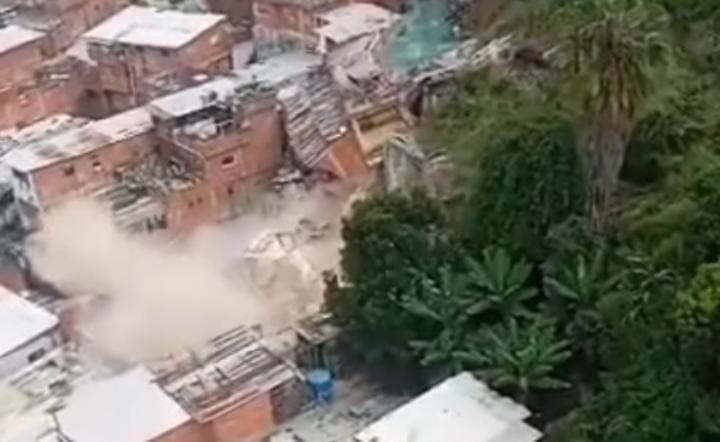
pixel 22 50
pixel 79 157
pixel 230 129
pixel 140 46
pixel 234 388
pixel 64 20
pixel 290 21
pixel 304 22
pixel 55 87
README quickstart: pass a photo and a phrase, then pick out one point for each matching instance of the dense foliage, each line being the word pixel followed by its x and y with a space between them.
pixel 579 271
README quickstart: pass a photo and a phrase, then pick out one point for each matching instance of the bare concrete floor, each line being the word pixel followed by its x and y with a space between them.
pixel 357 405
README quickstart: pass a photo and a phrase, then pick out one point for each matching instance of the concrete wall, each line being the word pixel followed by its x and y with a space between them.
pixel 19 358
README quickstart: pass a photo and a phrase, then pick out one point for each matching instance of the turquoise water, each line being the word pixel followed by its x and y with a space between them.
pixel 424 34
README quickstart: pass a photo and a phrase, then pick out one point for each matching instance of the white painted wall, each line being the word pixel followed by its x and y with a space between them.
pixel 18 358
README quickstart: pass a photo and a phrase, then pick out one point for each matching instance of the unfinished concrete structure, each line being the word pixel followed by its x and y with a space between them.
pixel 141 46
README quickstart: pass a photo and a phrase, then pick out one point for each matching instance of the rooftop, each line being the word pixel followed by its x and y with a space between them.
pixel 231 369
pixel 460 409
pixel 266 74
pixel 354 20
pixel 47 127
pixel 144 26
pixel 195 98
pixel 128 407
pixel 14 36
pixel 44 151
pixel 21 321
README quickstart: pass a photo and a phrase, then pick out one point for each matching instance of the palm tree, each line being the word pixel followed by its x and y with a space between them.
pixel 606 54
pixel 517 359
pixel 610 51
pixel 499 285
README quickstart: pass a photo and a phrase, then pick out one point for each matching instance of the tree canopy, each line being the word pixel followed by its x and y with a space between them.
pixel 579 271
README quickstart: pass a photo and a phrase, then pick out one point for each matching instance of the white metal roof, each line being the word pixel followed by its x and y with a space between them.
pixel 14 36
pixel 21 321
pixel 143 26
pixel 128 407
pixel 461 409
pixel 354 20
pixel 42 152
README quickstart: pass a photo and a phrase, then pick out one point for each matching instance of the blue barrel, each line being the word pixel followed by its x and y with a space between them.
pixel 322 386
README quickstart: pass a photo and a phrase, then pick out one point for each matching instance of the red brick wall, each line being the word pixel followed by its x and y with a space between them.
pixel 23 106
pixel 210 52
pixel 91 170
pixel 189 432
pixel 19 64
pixel 250 422
pixel 345 159
pixel 191 208
pixel 255 150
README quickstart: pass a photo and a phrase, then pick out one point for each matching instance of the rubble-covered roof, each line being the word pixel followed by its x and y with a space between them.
pixel 229 370
pixel 128 407
pixel 21 321
pixel 354 20
pixel 460 409
pixel 44 128
pixel 14 36
pixel 42 152
pixel 143 26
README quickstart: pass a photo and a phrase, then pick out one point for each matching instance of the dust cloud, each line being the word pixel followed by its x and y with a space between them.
pixel 158 297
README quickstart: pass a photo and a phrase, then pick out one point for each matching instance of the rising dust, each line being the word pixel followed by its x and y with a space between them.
pixel 160 297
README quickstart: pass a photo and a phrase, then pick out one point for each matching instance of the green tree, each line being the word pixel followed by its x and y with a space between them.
pixel 392 245
pixel 576 290
pixel 499 287
pixel 517 358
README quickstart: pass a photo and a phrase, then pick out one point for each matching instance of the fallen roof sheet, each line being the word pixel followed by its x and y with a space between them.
pixel 461 409
pixel 143 26
pixel 128 407
pixel 42 152
pixel 21 321
pixel 355 20
pixel 14 36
